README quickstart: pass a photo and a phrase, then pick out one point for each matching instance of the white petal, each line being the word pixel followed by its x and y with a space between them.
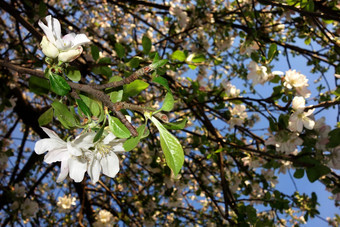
pixel 93 170
pixel 73 149
pixel 84 141
pixel 110 165
pixel 63 170
pixel 51 133
pixel 109 138
pixel 56 155
pixel 70 55
pixel 56 28
pixel 80 39
pixel 118 148
pixel 47 29
pixel 308 123
pixel 69 37
pixel 48 48
pixel 47 144
pixel 77 169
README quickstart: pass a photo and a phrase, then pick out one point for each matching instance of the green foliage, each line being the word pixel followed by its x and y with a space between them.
pixel 84 108
pixel 118 128
pixel 72 73
pixel 95 52
pixel 132 142
pixel 59 85
pixel 38 85
pixel 120 50
pixel 171 147
pixel 46 117
pixel 99 134
pixel 178 125
pixel 146 43
pixel 178 55
pixel 134 88
pixel 63 114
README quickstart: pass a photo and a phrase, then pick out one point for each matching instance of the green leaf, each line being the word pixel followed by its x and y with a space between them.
pixel 198 58
pixel 146 43
pixel 94 105
pixel 82 105
pixel 334 136
pixel 73 74
pixel 38 85
pixel 95 52
pixel 176 125
pixel 118 128
pixel 132 142
pixel 316 172
pixel 168 102
pixel 120 50
pixel 192 67
pixel 134 88
pixel 46 117
pixel 162 81
pixel 99 134
pixel 178 55
pixel 59 85
pixel 133 63
pixel 63 114
pixel 337 92
pixel 102 70
pixel 272 52
pixel 299 173
pixel 171 147
pixel 158 64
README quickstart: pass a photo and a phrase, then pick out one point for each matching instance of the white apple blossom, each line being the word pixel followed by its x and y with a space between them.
pixel 181 15
pixel 68 153
pixel 298 103
pixel 66 48
pixel 238 115
pixel 66 202
pixel 298 81
pixel 334 161
pixel 29 208
pixel 104 218
pixel 322 131
pixel 300 119
pixel 285 142
pixel 103 158
pixel 230 90
pixel 258 74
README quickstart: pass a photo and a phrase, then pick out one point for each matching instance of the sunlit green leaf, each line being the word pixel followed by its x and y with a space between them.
pixel 73 74
pixel 46 117
pixel 178 55
pixel 132 142
pixel 171 147
pixel 118 128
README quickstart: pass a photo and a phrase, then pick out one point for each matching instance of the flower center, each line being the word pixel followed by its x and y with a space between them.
pixel 102 148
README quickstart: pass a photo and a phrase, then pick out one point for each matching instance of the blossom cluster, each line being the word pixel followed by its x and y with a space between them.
pixel 66 48
pixel 81 155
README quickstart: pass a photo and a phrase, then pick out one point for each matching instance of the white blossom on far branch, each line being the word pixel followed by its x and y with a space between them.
pixel 334 158
pixel 298 81
pixel 258 74
pixel 104 219
pixel 230 90
pixel 299 117
pixel 66 202
pixel 238 115
pixel 284 141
